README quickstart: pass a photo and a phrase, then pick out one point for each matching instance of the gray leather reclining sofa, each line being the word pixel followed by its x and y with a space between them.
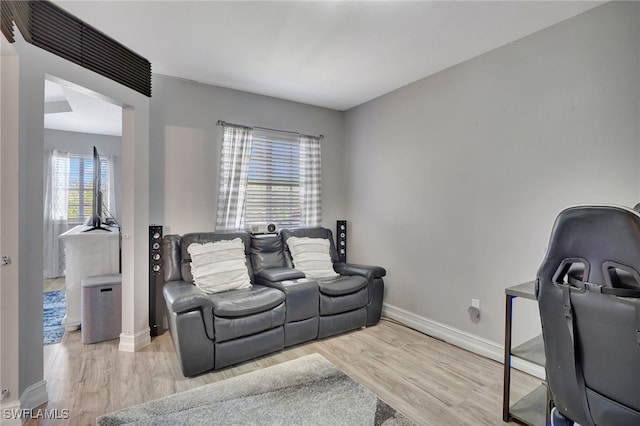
pixel 282 308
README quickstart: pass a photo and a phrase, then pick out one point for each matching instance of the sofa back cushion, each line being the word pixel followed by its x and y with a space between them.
pixel 172 260
pixel 267 252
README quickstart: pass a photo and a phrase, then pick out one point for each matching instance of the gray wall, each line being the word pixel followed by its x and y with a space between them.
pixel 455 180
pixel 185 145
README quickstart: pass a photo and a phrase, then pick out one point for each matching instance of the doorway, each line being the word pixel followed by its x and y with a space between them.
pixel 75 121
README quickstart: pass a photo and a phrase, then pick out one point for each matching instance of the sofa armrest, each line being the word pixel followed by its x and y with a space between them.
pixel 182 297
pixel 369 272
pixel 279 274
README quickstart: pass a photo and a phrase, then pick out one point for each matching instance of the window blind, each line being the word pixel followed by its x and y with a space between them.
pixel 73 186
pixel 273 184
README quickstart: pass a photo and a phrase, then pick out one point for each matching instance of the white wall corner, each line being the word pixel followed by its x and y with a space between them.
pixel 459 338
pixel 10 413
pixel 135 342
pixel 34 396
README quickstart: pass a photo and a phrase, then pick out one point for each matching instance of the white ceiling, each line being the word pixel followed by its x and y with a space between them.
pixel 334 54
pixel 68 108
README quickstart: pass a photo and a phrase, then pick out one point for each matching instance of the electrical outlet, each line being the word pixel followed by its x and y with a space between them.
pixel 475 303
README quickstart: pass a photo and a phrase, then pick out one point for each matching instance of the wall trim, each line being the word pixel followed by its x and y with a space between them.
pixel 34 396
pixel 135 342
pixel 459 338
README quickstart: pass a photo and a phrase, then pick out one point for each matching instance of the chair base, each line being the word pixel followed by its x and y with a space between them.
pixel 558 419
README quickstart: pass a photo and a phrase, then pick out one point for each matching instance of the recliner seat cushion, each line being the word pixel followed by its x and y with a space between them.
pixel 331 305
pixel 341 285
pixel 233 328
pixel 244 302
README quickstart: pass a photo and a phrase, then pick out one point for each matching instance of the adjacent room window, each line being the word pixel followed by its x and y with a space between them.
pixel 72 176
pixel 68 200
pixel 268 176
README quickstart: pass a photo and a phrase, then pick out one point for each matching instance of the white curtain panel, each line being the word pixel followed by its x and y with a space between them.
pixel 234 171
pixel 56 174
pixel 310 181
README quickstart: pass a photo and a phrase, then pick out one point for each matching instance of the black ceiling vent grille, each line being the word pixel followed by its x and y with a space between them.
pixel 52 29
pixel 46 25
pixel 6 21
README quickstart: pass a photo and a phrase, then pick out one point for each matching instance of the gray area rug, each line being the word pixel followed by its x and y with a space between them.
pixel 306 391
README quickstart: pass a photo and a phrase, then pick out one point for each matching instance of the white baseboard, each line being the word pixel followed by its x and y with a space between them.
pixel 34 396
pixel 135 342
pixel 459 338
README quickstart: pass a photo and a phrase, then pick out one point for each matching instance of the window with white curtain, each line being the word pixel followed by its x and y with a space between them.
pixel 73 186
pixel 268 176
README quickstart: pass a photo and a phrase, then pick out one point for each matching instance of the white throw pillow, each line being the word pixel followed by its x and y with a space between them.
pixel 311 256
pixel 219 266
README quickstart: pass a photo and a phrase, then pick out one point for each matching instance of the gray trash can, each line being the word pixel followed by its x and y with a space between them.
pixel 101 308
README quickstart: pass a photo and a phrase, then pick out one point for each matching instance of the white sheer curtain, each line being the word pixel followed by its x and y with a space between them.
pixel 234 171
pixel 56 175
pixel 310 181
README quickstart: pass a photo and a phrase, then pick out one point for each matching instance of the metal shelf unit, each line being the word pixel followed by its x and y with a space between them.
pixel 533 408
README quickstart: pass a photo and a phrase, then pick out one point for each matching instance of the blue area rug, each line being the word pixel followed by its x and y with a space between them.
pixel 55 308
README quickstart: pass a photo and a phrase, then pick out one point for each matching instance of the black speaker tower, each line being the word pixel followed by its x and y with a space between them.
pixel 157 307
pixel 341 240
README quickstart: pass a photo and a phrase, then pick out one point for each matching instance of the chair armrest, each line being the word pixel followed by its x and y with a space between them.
pixel 369 272
pixel 182 296
pixel 279 274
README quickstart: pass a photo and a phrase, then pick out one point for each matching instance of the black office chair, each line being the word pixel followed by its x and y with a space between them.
pixel 588 290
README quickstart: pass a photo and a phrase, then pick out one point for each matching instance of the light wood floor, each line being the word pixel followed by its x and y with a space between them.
pixel 430 381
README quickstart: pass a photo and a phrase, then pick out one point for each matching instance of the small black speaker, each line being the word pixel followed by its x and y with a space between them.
pixel 341 240
pixel 157 307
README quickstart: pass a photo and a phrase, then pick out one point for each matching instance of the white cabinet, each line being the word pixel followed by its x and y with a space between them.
pixel 87 253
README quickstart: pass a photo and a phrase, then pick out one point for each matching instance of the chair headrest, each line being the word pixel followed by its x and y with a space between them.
pixel 598 236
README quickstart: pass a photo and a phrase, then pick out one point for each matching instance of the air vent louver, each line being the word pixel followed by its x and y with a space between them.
pixel 51 28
